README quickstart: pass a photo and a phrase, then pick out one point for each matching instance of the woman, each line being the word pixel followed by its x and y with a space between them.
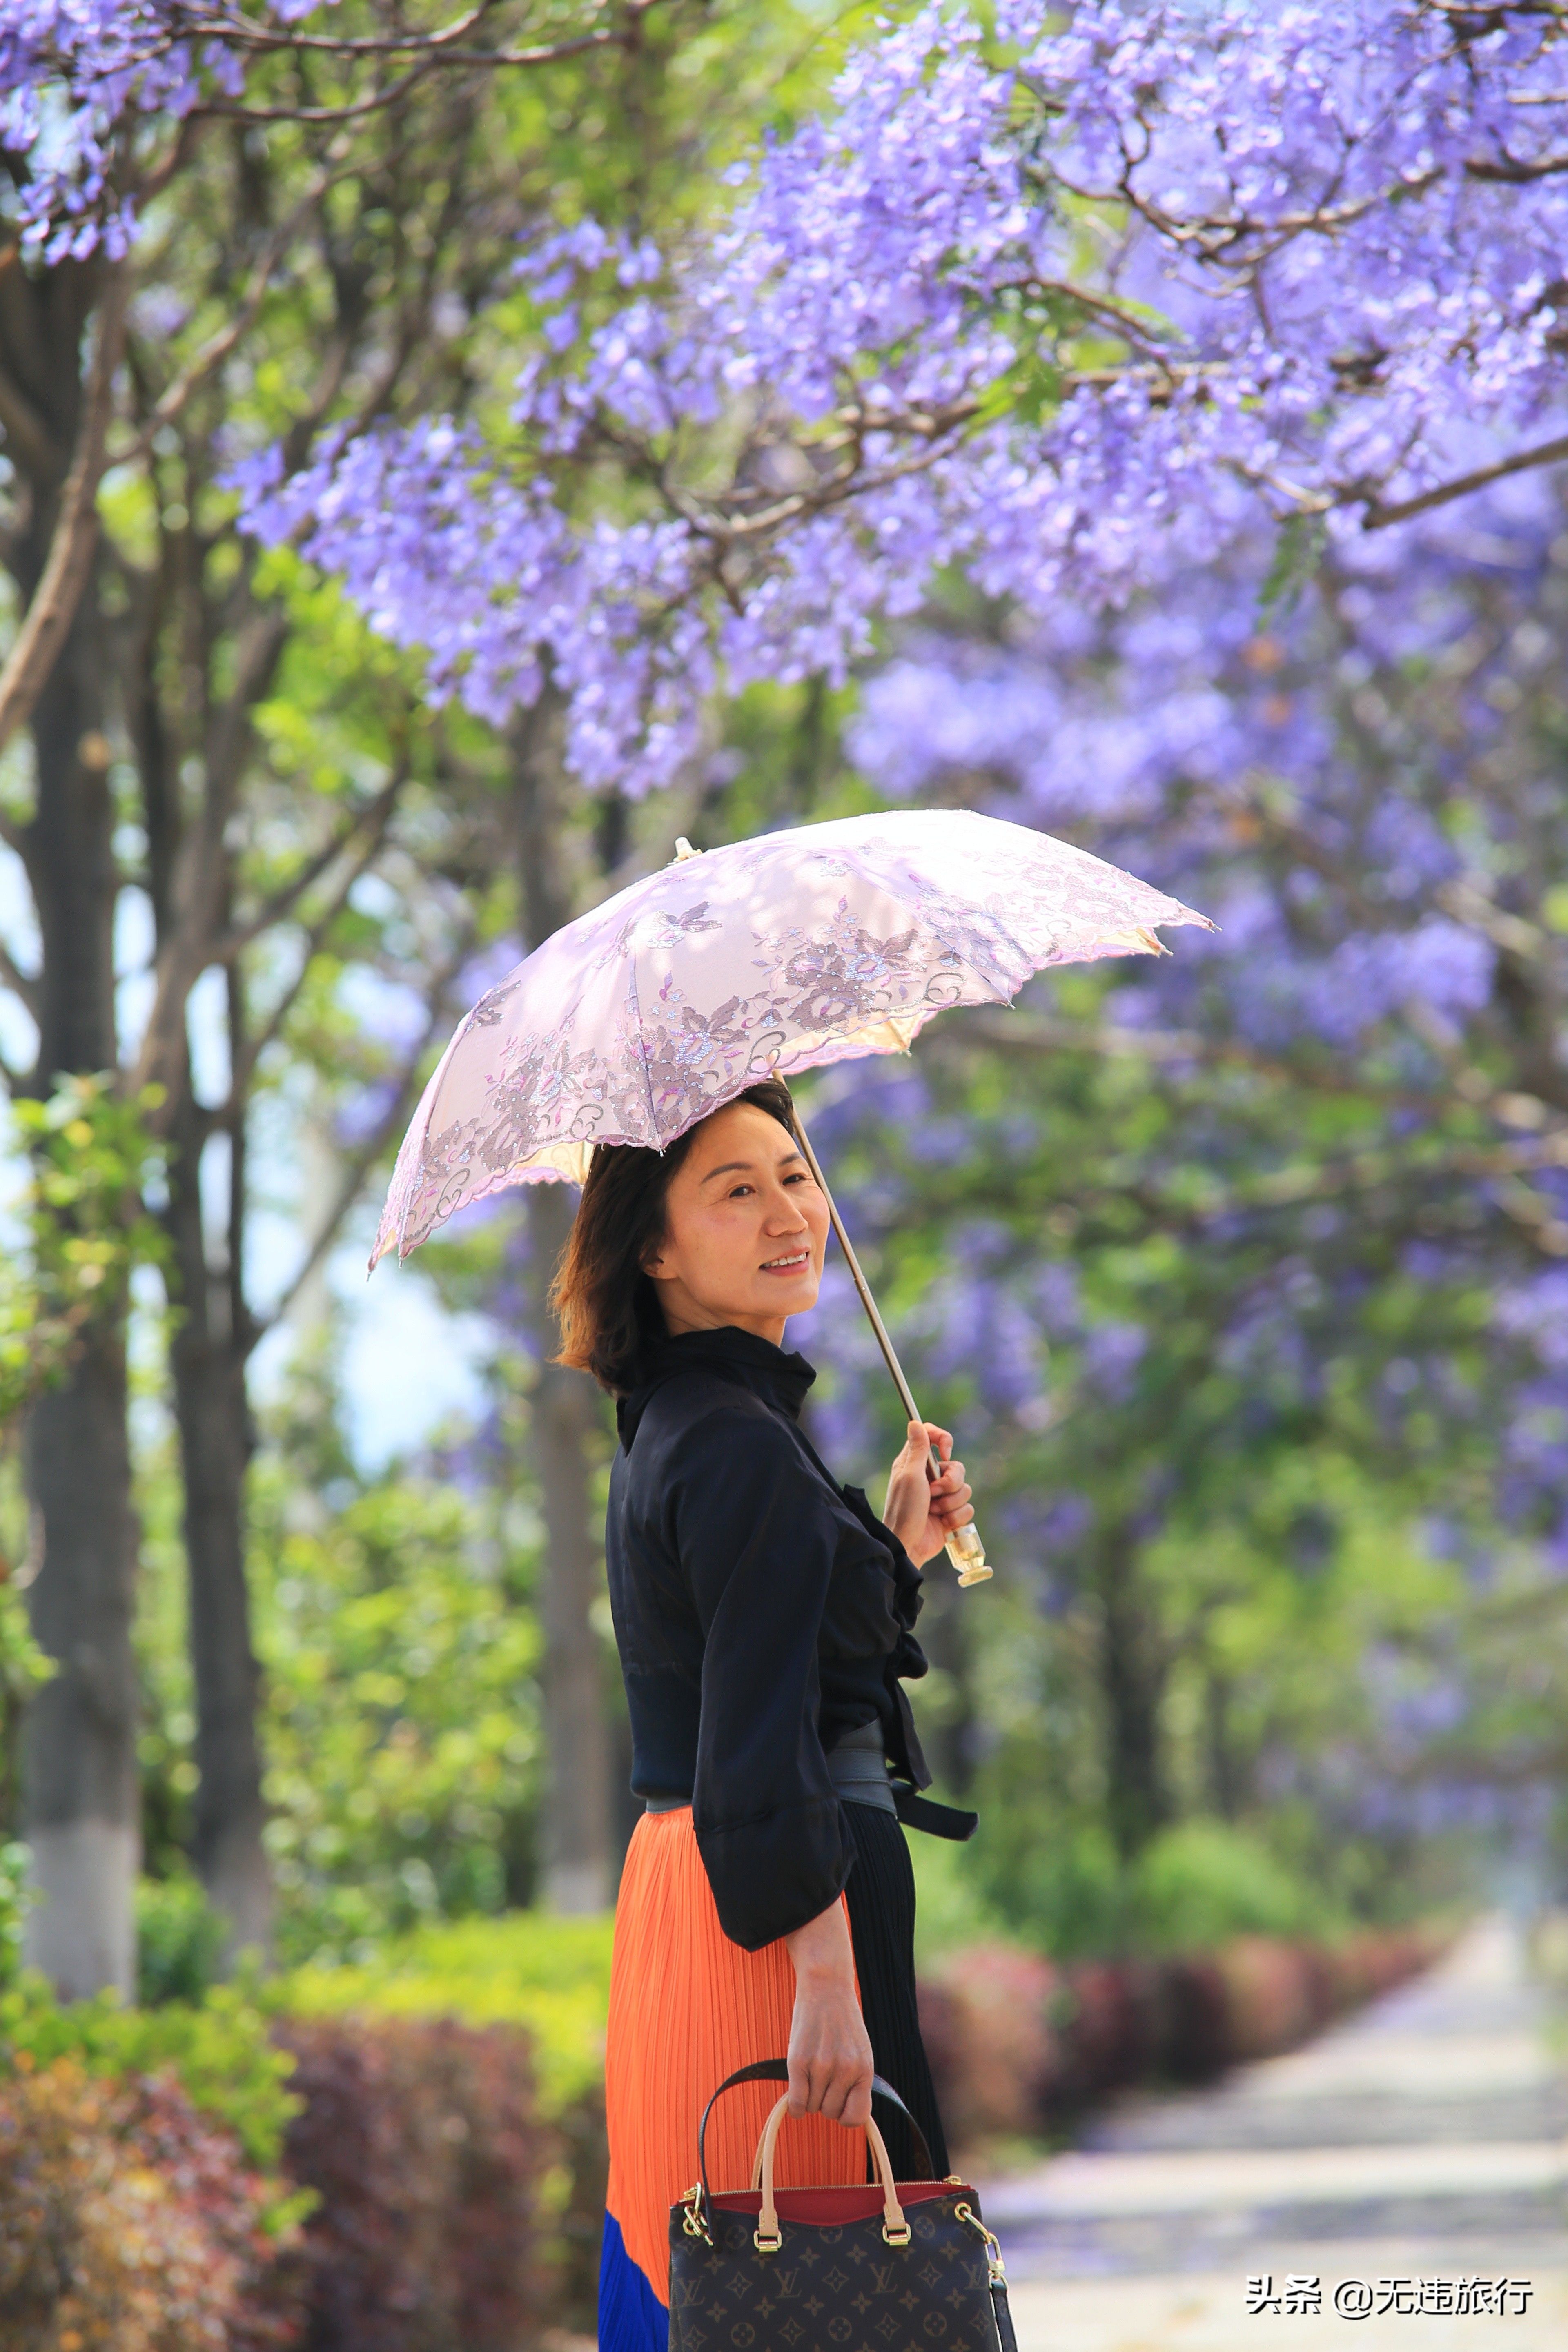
pixel 765 1619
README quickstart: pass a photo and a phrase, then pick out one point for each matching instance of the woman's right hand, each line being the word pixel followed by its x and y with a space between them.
pixel 922 1510
pixel 829 2049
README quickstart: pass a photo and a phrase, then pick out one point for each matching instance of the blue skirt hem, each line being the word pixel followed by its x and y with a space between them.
pixel 631 2317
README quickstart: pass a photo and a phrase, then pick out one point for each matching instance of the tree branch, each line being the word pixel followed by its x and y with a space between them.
pixel 1359 1171
pixel 371 1151
pixel 1033 1033
pixel 245 1067
pixel 20 983
pixel 435 48
pixel 219 346
pixel 197 888
pixel 273 910
pixel 28 436
pixel 546 53
pixel 1379 517
pixel 48 618
pixel 248 35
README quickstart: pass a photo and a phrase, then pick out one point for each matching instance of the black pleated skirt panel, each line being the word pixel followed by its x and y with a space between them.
pixel 881 1896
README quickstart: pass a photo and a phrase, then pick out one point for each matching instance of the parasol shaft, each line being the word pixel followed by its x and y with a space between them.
pixel 965 1548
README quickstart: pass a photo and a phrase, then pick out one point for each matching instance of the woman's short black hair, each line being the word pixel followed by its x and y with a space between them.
pixel 606 1303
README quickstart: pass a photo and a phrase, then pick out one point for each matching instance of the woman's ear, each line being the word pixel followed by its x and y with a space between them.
pixel 656 1249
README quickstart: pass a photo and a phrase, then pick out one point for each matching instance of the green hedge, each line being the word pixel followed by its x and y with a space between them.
pixel 220 2050
pixel 548 1975
pixel 438 2189
pixel 441 2109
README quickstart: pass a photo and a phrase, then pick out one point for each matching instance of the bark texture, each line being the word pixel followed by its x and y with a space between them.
pixel 81 1813
pixel 81 1816
pixel 575 1843
pixel 212 1333
pixel 207 1359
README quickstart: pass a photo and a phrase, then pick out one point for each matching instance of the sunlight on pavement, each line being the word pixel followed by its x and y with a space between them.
pixel 1412 2164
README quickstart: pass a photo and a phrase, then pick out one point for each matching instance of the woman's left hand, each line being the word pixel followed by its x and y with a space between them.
pixel 923 1511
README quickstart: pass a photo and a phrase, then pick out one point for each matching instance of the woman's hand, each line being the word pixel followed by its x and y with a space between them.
pixel 923 1511
pixel 829 2048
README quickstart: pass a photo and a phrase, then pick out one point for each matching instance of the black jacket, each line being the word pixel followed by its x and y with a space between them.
pixel 761 1611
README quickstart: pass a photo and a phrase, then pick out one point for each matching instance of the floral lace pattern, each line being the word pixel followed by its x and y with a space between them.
pixel 780 954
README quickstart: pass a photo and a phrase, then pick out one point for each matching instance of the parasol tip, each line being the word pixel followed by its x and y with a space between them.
pixel 683 850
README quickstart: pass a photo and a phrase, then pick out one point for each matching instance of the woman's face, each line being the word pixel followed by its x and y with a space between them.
pixel 745 1229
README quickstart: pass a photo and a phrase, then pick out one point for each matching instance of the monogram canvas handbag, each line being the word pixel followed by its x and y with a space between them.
pixel 888 2267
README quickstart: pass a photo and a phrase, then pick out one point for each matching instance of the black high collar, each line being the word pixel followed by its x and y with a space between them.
pixel 781 1379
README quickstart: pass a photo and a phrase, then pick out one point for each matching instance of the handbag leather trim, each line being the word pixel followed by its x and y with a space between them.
pixel 895 2229
pixel 831 2207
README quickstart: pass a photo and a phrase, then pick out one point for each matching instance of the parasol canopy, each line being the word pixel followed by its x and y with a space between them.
pixel 771 956
pixel 765 958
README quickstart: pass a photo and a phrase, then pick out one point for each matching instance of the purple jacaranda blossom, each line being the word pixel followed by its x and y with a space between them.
pixel 1439 964
pixel 1111 1355
pixel 1325 282
pixel 80 78
pixel 1055 1294
pixel 1169 729
pixel 1536 1311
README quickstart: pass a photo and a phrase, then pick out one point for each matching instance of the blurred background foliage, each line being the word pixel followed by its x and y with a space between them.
pixel 1239 1324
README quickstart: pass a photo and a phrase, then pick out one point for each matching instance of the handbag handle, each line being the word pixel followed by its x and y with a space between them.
pixel 879 2089
pixel 775 2070
pixel 767 2237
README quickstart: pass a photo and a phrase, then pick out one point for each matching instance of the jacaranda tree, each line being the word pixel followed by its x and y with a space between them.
pixel 1056 305
pixel 210 214
pixel 1193 379
pixel 1293 1207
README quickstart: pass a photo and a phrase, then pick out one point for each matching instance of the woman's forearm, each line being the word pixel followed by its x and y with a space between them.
pixel 822 1949
pixel 829 2048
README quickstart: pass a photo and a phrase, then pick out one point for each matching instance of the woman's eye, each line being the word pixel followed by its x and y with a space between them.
pixel 740 1191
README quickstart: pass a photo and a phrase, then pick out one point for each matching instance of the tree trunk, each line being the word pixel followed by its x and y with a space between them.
pixel 1132 1683
pixel 207 1357
pixel 81 1814
pixel 575 1842
pixel 213 1332
pixel 82 1818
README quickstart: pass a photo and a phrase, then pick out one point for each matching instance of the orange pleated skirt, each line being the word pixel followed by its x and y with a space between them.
pixel 687 2008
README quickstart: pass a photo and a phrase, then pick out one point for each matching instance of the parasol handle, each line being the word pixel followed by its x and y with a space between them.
pixel 964 1548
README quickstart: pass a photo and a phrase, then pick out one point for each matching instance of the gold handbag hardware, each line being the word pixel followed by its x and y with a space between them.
pixel 695 2224
pixel 993 2263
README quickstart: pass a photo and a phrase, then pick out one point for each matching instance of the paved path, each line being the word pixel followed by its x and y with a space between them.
pixel 1422 2141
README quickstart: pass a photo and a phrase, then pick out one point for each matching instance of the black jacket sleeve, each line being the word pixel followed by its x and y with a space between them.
pixel 755 1535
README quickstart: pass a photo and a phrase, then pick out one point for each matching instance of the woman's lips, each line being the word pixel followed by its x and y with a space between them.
pixel 791 1264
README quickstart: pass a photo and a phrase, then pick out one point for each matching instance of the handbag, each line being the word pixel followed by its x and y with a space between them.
pixel 883 2267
